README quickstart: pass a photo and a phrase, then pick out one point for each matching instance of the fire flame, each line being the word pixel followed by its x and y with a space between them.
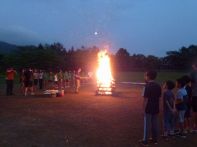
pixel 103 74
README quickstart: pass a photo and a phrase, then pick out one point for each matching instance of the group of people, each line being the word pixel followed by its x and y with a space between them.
pixel 32 80
pixel 179 107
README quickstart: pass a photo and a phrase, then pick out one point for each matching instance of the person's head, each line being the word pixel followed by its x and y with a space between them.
pixel 186 79
pixel 180 83
pixel 150 75
pixel 169 85
pixel 194 66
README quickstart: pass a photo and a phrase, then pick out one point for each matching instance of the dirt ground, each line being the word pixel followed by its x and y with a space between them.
pixel 77 120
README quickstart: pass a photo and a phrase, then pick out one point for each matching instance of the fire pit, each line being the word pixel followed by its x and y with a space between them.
pixel 105 80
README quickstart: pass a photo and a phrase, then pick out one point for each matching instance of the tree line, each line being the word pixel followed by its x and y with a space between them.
pixel 55 56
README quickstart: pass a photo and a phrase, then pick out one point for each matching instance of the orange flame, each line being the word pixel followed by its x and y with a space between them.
pixel 103 74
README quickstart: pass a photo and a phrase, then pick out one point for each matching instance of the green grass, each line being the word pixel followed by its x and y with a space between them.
pixel 139 76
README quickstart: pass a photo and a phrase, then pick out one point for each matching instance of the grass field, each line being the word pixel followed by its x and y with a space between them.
pixel 139 76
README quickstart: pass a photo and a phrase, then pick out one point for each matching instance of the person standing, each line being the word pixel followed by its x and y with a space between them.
pixel 35 79
pixel 187 123
pixel 77 80
pixel 193 76
pixel 66 80
pixel 28 81
pixel 45 79
pixel 181 104
pixel 41 74
pixel 168 108
pixel 50 80
pixel 21 80
pixel 60 79
pixel 73 79
pixel 151 94
pixel 10 73
pixel 56 80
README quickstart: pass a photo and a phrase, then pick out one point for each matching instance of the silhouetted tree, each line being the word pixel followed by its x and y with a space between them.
pixel 122 59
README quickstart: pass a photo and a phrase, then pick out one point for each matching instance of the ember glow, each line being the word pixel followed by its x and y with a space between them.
pixel 103 74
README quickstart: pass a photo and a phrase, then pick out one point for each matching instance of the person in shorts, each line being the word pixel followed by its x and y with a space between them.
pixel 28 81
pixel 168 108
pixel 181 105
pixel 188 125
pixel 194 94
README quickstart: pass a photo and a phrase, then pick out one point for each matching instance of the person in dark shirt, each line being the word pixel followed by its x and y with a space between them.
pixel 193 76
pixel 188 88
pixel 168 108
pixel 151 94
pixel 28 81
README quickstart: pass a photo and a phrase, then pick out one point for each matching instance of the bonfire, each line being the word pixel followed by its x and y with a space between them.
pixel 105 81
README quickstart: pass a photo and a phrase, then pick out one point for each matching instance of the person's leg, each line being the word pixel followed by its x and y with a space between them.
pixel 26 87
pixel 189 128
pixel 155 127
pixel 41 83
pixel 167 124
pixel 181 121
pixel 61 84
pixel 74 83
pixel 7 87
pixel 172 124
pixel 194 114
pixel 78 85
pixel 147 122
pixel 31 88
pixel 68 83
pixel 35 85
pixel 195 121
pixel 26 90
pixel 11 87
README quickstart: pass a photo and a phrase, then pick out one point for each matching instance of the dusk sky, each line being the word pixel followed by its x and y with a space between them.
pixel 140 26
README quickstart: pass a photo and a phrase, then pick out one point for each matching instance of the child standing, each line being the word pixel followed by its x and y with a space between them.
pixel 168 108
pixel 188 88
pixel 181 105
pixel 151 94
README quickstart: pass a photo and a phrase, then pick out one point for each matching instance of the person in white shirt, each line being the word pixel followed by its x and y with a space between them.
pixel 41 79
